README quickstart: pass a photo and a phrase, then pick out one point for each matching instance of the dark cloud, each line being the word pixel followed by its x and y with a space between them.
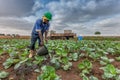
pixel 82 16
pixel 83 12
pixel 15 7
pixel 15 23
pixel 74 11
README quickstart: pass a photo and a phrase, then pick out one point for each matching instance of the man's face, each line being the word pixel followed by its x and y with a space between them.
pixel 45 20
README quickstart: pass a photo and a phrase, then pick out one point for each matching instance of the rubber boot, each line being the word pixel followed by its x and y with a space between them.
pixel 31 53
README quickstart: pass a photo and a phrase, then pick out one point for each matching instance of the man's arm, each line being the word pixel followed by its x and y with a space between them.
pixel 41 38
pixel 46 33
pixel 38 29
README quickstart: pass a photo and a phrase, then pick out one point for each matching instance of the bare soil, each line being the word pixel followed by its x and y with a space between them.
pixel 72 74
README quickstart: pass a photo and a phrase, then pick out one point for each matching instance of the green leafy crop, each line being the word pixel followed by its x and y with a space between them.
pixel 48 73
pixel 85 67
pixel 110 72
pixel 3 74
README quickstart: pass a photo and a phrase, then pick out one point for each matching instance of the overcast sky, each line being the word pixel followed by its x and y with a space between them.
pixel 84 17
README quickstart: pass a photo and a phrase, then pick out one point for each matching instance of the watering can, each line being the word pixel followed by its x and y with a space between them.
pixel 42 51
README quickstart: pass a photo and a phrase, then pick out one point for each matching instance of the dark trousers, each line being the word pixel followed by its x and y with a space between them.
pixel 34 38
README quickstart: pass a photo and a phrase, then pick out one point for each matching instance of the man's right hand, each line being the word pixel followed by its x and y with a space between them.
pixel 42 43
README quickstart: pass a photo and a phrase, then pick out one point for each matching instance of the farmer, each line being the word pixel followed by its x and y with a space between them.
pixel 41 27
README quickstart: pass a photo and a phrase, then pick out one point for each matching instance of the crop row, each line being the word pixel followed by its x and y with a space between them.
pixel 61 55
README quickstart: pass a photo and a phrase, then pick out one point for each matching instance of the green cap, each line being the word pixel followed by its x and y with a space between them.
pixel 48 15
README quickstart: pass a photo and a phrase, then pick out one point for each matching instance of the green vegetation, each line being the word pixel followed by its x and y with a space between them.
pixel 85 67
pixel 110 72
pixel 62 53
pixel 48 74
pixel 3 74
pixel 97 33
pixel 109 38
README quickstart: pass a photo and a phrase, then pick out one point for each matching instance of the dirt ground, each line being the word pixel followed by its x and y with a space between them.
pixel 72 74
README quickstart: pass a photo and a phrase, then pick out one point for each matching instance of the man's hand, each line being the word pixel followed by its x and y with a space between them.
pixel 42 43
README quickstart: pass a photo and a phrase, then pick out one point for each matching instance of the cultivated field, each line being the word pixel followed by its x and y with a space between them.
pixel 67 60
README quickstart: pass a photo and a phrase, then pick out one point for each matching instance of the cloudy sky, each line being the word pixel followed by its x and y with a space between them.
pixel 84 17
